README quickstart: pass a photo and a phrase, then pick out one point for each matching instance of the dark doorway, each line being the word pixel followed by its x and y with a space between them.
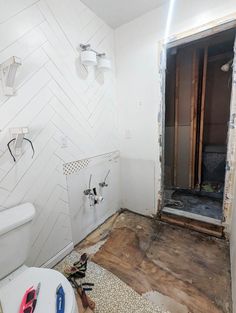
pixel 198 92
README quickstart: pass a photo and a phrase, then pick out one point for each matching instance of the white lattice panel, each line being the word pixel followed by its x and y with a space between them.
pixel 73 167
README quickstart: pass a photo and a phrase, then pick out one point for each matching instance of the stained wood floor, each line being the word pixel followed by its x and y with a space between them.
pixel 180 270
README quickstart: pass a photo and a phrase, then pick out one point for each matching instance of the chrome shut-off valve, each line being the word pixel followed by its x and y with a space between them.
pixel 104 184
pixel 94 198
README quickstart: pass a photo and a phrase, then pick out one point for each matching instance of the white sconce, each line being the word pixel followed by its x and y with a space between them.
pixel 104 64
pixel 90 57
pixel 8 71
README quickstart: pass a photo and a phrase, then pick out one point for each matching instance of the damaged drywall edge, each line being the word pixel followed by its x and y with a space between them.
pixel 204 30
pixel 211 27
pixel 231 155
pixel 161 123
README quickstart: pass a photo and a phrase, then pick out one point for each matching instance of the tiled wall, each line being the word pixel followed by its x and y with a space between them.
pixel 71 113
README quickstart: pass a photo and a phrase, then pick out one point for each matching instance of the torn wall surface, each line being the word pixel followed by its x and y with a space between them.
pixel 210 28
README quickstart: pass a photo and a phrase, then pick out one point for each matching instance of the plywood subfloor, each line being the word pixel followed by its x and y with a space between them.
pixel 181 270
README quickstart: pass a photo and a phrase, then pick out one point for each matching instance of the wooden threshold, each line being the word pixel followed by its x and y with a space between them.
pixel 193 224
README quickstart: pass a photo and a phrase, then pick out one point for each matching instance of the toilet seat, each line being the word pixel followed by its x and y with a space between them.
pixel 12 293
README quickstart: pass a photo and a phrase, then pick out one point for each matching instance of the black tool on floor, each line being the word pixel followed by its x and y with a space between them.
pixel 81 289
pixel 80 267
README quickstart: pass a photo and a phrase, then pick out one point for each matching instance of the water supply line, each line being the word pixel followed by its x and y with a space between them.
pixel 104 184
pixel 92 194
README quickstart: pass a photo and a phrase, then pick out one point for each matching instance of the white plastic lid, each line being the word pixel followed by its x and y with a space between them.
pixel 15 217
pixel 12 293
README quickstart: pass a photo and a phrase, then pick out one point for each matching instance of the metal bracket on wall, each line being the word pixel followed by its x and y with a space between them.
pixel 18 135
pixel 8 71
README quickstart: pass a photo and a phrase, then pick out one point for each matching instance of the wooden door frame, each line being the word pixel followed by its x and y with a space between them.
pixel 205 30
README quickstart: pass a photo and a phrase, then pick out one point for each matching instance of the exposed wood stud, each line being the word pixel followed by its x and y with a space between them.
pixel 203 99
pixel 176 118
pixel 194 99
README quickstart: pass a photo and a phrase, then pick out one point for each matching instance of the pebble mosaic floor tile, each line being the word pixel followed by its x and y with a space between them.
pixel 110 294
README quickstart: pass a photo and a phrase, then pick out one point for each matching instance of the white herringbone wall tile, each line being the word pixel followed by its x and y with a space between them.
pixel 59 101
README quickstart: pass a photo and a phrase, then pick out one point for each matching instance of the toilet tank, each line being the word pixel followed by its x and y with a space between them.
pixel 15 227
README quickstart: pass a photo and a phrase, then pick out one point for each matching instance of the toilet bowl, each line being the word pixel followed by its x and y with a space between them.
pixel 15 277
pixel 12 292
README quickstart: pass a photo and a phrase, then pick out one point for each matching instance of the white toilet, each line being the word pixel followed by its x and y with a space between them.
pixel 15 277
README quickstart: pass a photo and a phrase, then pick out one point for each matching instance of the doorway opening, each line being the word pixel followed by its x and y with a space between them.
pixel 197 113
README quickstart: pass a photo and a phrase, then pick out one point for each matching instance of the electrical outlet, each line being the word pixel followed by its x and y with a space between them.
pixel 127 134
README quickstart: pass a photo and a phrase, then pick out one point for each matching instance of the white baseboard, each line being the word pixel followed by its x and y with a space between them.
pixel 59 256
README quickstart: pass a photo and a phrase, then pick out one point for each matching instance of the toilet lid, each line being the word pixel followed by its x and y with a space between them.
pixel 12 293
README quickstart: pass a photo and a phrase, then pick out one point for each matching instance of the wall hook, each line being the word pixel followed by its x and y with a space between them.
pixel 8 71
pixel 18 135
pixel 14 139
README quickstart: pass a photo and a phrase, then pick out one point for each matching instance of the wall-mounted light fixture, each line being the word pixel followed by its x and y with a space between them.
pixel 8 71
pixel 90 57
pixel 104 64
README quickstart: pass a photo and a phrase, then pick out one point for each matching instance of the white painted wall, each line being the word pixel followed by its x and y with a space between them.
pixel 138 84
pixel 85 217
pixel 138 95
pixel 70 114
pixel 138 185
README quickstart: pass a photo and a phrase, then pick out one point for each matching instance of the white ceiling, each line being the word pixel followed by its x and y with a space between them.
pixel 118 12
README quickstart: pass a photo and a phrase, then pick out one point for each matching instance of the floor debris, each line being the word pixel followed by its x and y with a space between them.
pixel 186 269
pixel 110 294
